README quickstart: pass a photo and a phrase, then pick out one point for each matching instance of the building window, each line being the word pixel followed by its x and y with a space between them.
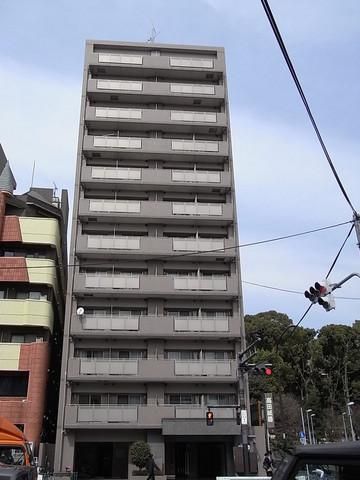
pixel 14 384
pixel 183 399
pixel 220 399
pixel 182 354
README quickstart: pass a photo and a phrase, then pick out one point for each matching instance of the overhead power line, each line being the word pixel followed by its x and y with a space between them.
pixel 285 290
pixel 291 68
pixel 197 252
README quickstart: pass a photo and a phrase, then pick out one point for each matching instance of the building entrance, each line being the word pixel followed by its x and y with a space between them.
pixel 101 460
pixel 198 460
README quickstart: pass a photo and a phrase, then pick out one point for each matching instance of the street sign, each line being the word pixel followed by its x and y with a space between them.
pixel 302 438
pixel 269 413
pixel 244 419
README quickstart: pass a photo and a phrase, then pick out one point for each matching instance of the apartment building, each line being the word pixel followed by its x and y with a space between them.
pixel 154 315
pixel 32 305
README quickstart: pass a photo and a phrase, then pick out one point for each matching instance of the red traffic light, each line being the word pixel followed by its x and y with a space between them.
pixel 209 418
pixel 268 371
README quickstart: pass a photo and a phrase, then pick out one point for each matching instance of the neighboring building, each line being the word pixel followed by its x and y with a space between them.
pixel 32 298
pixel 154 316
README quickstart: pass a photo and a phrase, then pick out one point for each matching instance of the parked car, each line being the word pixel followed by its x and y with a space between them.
pixel 331 461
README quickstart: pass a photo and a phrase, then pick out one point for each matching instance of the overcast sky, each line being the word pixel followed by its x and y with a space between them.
pixel 284 184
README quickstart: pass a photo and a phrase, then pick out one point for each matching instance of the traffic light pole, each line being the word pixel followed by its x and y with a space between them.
pixel 357 227
pixel 344 280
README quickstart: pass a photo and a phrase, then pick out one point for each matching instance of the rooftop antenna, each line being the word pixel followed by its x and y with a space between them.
pixel 153 34
pixel 32 176
pixel 55 189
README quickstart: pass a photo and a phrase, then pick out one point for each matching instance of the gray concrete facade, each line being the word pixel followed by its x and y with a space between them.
pixel 154 317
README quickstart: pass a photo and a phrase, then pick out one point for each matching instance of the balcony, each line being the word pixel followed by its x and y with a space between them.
pixel 108 367
pixel 152 178
pixel 148 326
pixel 205 209
pixel 191 66
pixel 153 211
pixel 151 370
pixel 149 416
pixel 108 280
pixel 107 413
pixel 166 120
pixel 157 285
pixel 110 246
pixel 155 148
pixel 155 92
pixel 26 313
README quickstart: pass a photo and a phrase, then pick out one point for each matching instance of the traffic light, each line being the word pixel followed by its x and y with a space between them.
pixel 209 418
pixel 327 303
pixel 318 292
pixel 263 369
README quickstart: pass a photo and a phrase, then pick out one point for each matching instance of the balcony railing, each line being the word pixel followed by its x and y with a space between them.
pixel 108 366
pixel 119 85
pixel 185 282
pixel 169 323
pixel 118 142
pixel 110 322
pixel 192 88
pixel 199 324
pixel 107 112
pixel 191 62
pixel 107 413
pixel 120 58
pixel 195 411
pixel 195 145
pixel 198 244
pixel 124 206
pixel 193 176
pixel 113 242
pixel 203 367
pixel 188 208
pixel 192 116
pixel 110 280
pixel 116 173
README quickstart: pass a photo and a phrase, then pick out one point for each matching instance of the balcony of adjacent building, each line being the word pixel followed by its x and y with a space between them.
pixel 188 65
pixel 170 179
pixel 163 117
pixel 112 322
pixel 176 92
pixel 137 246
pixel 157 148
pixel 111 282
pixel 180 212
pixel 26 307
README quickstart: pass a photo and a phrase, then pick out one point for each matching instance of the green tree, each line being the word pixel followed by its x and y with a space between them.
pixel 139 453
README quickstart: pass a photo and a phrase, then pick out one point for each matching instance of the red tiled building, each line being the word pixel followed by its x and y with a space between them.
pixel 32 295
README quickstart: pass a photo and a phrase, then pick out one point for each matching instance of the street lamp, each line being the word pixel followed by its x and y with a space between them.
pixel 349 405
pixel 345 429
pixel 308 423
pixel 312 426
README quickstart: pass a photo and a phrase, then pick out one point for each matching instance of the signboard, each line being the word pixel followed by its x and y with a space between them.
pixel 269 413
pixel 244 419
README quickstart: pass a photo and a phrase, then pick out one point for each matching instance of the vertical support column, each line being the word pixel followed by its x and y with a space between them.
pixel 157 446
